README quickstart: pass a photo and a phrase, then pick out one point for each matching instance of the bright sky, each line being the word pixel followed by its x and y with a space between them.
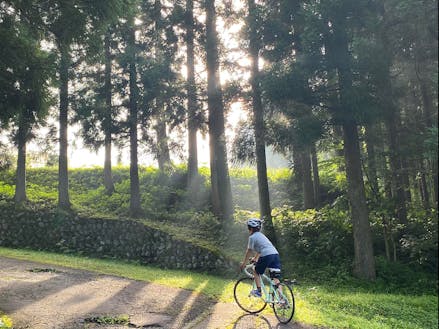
pixel 82 157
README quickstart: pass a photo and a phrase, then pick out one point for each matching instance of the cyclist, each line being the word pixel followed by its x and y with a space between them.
pixel 266 256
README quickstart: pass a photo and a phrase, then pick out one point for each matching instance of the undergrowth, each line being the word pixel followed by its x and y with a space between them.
pixel 315 245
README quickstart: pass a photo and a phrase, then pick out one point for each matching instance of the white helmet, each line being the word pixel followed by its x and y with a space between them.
pixel 254 223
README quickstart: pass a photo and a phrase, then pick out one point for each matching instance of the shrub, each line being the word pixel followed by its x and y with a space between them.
pixel 7 190
pixel 415 243
pixel 420 241
pixel 396 276
pixel 321 237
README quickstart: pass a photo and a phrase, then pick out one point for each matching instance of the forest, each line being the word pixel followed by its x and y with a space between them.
pixel 345 90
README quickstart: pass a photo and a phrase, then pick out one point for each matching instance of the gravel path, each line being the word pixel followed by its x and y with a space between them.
pixel 39 296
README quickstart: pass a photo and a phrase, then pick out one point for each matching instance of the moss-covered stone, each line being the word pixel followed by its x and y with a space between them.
pixel 97 237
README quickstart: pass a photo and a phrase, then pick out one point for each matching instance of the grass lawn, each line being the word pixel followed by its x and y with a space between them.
pixel 327 306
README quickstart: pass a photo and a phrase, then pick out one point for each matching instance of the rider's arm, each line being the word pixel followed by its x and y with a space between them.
pixel 247 255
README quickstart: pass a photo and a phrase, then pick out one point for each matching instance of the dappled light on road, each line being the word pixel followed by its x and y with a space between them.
pixel 66 299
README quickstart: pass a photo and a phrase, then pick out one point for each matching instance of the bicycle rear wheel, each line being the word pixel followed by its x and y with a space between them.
pixel 247 302
pixel 284 308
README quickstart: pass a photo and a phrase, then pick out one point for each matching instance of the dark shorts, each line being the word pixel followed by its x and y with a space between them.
pixel 270 262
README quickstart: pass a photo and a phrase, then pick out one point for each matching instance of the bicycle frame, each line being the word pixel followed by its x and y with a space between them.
pixel 270 291
pixel 271 294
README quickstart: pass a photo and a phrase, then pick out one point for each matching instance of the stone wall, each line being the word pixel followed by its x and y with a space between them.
pixel 122 239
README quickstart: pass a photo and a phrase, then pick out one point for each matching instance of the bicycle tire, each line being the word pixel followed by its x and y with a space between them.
pixel 284 312
pixel 245 301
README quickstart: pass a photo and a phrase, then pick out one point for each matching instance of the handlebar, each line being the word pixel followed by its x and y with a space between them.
pixel 248 269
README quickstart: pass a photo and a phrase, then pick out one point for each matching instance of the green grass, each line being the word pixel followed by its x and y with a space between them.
pixel 356 309
pixel 5 322
pixel 326 306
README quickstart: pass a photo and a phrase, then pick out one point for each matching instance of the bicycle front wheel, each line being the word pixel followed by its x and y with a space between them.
pixel 244 299
pixel 284 307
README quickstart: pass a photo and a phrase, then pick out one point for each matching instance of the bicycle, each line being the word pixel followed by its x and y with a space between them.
pixel 281 300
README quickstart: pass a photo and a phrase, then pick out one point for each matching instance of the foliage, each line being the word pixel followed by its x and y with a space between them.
pixel 431 143
pixel 318 245
pixel 25 73
pixel 399 278
pixel 320 237
pixel 420 243
pixel 332 176
pixel 5 322
pixel 418 240
pixel 7 159
pixel 6 190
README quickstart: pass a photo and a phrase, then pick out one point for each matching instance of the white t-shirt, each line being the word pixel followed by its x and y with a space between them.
pixel 259 242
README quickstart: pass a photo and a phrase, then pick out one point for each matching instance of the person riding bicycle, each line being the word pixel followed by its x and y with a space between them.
pixel 266 256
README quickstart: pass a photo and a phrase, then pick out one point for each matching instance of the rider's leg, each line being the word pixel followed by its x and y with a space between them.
pixel 275 275
pixel 274 266
pixel 277 283
pixel 257 280
pixel 259 269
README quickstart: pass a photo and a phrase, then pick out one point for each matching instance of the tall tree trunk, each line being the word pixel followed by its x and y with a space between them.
pixel 20 186
pixel 428 111
pixel 192 121
pixel 307 187
pixel 364 266
pixel 108 118
pixel 258 124
pixel 396 168
pixel 406 179
pixel 63 177
pixel 423 188
pixel 135 206
pixel 364 262
pixel 315 176
pixel 383 174
pixel 371 160
pixel 297 167
pixel 220 180
pixel 376 167
pixel 163 154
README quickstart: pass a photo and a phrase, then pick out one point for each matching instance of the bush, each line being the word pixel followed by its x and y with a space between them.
pixel 396 276
pixel 321 237
pixel 420 241
pixel 415 243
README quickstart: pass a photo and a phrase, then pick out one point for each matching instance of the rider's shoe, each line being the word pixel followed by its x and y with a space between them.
pixel 255 293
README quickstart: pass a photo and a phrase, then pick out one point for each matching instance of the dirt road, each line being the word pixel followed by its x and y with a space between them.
pixel 39 296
